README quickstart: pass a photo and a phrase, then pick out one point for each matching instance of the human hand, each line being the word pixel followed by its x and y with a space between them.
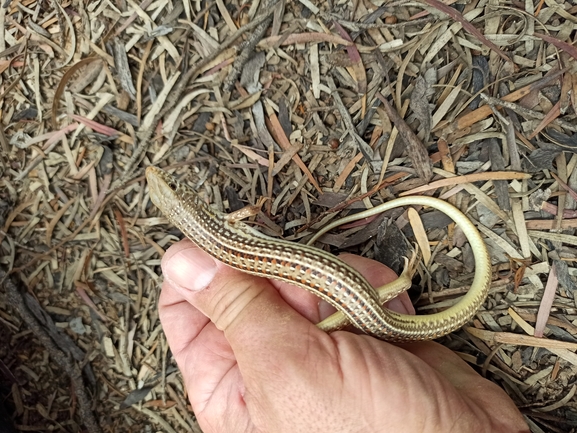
pixel 253 361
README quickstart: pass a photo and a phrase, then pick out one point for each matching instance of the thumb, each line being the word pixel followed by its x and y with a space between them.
pixel 248 309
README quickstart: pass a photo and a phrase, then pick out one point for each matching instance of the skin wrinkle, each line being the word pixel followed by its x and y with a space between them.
pixel 495 422
pixel 189 339
pixel 429 378
pixel 347 345
pixel 461 416
pixel 253 398
pixel 225 404
pixel 461 382
pixel 235 304
pixel 204 401
pixel 219 383
pixel 445 410
pixel 338 354
pixel 251 306
pixel 368 394
pixel 394 369
pixel 302 389
pixel 221 424
pixel 483 418
pixel 330 345
pixel 457 424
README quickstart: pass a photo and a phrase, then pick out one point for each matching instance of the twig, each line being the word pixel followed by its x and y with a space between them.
pixel 63 360
pixel 20 77
pixel 458 17
pixel 346 203
pixel 415 147
pixel 526 112
pixel 359 27
pixel 247 48
pixel 364 148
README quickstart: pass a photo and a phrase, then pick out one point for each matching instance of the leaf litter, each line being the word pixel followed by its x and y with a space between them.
pixel 323 111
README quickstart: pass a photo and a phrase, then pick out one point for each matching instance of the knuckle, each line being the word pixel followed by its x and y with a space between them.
pixel 233 300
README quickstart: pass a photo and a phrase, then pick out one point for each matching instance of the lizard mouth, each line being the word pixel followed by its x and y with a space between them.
pixel 156 187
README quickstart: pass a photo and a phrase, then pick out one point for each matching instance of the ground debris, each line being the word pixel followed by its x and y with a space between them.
pixel 335 110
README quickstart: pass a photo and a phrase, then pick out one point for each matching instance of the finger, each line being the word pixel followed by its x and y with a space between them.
pixel 269 339
pixel 237 303
pixel 204 356
pixel 184 324
pixel 316 309
pixel 378 275
pixel 310 305
pixel 177 314
pixel 303 301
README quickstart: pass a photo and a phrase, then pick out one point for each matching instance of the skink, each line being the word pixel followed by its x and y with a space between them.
pixel 246 249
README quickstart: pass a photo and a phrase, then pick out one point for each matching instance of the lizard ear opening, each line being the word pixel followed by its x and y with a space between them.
pixel 172 186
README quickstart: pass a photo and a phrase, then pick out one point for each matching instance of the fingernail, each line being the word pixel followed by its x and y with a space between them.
pixel 191 269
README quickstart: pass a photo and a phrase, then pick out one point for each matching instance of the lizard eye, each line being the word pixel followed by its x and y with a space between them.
pixel 172 186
